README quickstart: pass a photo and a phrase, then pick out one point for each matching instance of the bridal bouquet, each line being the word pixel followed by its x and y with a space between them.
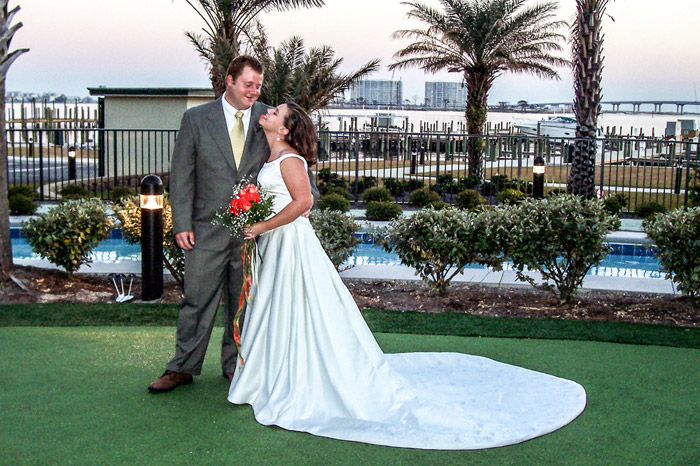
pixel 250 204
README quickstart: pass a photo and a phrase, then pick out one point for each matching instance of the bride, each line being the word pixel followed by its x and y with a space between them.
pixel 311 364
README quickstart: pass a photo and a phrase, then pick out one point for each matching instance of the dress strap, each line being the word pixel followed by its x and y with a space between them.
pixel 285 156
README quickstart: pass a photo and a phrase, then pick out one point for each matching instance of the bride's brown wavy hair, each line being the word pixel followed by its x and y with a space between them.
pixel 302 132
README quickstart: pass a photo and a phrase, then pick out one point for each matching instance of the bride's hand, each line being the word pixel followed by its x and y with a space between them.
pixel 251 231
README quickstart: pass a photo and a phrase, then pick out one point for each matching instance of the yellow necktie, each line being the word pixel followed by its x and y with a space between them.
pixel 238 139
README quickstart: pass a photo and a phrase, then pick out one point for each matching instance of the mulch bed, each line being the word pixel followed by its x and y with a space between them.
pixel 50 285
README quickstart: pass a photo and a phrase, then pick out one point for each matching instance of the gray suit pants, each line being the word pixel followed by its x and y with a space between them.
pixel 208 274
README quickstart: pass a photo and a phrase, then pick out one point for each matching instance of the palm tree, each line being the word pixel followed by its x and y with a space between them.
pixel 229 26
pixel 587 48
pixel 310 78
pixel 482 39
pixel 7 31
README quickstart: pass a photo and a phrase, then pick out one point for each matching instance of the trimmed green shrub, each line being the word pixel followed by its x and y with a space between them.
pixel 23 189
pixel 363 183
pixel 560 237
pixel 439 205
pixel 694 191
pixel 334 202
pixel 341 191
pixel 377 195
pixel 323 175
pixel 382 210
pixel 20 204
pixel 510 196
pixel 74 191
pixel 326 179
pixel 439 244
pixel 120 193
pixel 66 234
pixel 412 184
pixel 677 238
pixel 395 187
pixel 128 211
pixel 446 184
pixel 648 210
pixel 469 199
pixel 336 232
pixel 501 182
pixel 469 182
pixel 488 189
pixel 423 197
pixel 614 203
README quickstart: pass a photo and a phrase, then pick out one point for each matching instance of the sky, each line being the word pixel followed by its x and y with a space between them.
pixel 651 47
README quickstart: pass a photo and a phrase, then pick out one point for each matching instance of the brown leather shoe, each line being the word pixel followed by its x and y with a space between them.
pixel 227 375
pixel 169 381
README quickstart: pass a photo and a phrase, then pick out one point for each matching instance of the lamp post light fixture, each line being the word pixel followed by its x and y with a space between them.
pixel 538 170
pixel 71 163
pixel 151 238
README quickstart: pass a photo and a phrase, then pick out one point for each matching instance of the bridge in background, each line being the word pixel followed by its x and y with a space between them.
pixel 636 105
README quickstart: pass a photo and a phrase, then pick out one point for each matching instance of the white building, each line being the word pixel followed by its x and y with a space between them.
pixel 377 92
pixel 445 95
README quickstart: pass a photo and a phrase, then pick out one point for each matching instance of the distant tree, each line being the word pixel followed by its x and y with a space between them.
pixel 522 104
pixel 310 77
pixel 482 39
pixel 229 27
pixel 7 31
pixel 587 48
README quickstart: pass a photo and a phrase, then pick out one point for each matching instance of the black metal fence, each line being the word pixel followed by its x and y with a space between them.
pixel 97 159
pixel 643 170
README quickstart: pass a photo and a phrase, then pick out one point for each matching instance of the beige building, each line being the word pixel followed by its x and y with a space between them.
pixel 139 126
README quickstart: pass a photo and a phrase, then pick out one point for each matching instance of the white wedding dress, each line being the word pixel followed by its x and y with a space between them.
pixel 311 363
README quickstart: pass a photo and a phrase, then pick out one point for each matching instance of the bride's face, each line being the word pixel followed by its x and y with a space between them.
pixel 273 120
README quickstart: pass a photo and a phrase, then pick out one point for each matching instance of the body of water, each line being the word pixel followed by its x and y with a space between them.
pixel 625 123
pixel 630 123
pixel 114 251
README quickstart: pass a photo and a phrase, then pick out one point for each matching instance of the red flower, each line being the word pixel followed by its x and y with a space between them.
pixel 249 194
pixel 245 205
pixel 246 197
pixel 235 207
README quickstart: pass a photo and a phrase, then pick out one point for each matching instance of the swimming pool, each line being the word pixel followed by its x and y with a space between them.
pixel 625 260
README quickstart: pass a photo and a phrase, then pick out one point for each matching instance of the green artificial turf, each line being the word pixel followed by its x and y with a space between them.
pixel 78 396
pixel 379 320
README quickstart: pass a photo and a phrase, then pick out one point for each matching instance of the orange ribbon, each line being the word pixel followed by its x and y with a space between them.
pixel 248 250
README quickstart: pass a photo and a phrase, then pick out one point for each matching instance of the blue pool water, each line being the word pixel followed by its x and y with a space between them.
pixel 632 261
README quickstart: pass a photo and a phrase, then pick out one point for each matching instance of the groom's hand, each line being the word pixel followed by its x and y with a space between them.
pixel 185 240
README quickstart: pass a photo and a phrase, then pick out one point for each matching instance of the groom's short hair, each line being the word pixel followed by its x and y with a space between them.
pixel 237 64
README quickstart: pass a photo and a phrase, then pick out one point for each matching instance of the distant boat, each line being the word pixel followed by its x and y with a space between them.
pixel 559 129
pixel 553 127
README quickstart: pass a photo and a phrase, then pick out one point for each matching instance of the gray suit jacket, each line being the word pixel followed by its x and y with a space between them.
pixel 203 171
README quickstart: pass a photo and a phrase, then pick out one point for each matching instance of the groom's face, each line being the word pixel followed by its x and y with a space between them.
pixel 242 92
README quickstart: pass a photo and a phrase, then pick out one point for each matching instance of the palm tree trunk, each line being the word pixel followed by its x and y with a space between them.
pixel 6 59
pixel 476 114
pixel 5 242
pixel 588 66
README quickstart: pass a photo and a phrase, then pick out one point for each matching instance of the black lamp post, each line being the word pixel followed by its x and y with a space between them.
pixel 71 163
pixel 538 169
pixel 151 238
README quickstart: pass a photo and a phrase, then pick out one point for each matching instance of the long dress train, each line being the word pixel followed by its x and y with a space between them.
pixel 311 363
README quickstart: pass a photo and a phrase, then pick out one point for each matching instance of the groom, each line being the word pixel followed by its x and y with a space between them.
pixel 219 143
